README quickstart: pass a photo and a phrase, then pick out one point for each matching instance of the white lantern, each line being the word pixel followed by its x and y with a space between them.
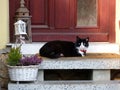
pixel 20 28
pixel 20 31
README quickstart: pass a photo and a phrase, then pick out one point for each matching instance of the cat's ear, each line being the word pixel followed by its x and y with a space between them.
pixel 77 38
pixel 87 39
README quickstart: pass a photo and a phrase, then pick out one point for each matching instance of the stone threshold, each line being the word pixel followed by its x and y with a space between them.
pixel 67 85
pixel 57 82
pixel 94 47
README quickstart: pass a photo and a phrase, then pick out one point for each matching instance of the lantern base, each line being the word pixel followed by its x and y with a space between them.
pixel 20 39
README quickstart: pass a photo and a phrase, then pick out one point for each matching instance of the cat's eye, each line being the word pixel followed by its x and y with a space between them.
pixel 84 44
pixel 79 43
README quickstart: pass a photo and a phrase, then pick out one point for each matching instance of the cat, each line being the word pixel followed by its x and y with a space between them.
pixel 57 48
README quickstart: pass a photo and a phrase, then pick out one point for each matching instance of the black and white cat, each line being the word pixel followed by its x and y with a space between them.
pixel 56 49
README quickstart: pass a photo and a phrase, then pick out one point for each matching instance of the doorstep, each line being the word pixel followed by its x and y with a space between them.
pixel 94 47
pixel 101 66
pixel 101 69
pixel 66 85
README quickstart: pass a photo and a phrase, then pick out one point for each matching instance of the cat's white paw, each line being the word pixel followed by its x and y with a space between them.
pixel 82 53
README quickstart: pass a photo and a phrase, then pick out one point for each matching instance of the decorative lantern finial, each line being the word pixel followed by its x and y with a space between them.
pixel 22 11
pixel 22 3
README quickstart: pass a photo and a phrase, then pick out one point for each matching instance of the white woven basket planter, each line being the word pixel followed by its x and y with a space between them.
pixel 23 73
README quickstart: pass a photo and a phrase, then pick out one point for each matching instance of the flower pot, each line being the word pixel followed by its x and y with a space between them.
pixel 23 73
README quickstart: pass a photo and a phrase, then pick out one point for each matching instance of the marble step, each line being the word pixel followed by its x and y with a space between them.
pixel 66 85
pixel 94 47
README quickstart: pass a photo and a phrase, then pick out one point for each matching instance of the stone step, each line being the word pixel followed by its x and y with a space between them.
pixel 66 85
pixel 81 63
pixel 94 47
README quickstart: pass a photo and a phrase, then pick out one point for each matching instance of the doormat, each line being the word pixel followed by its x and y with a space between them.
pixel 94 56
pixel 102 55
pixel 90 56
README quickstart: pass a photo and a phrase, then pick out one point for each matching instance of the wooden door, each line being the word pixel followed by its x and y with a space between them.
pixel 58 19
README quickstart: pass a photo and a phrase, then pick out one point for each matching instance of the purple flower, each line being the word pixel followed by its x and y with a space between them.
pixel 32 60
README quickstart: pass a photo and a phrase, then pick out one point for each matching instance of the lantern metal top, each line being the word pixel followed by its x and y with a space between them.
pixel 22 11
pixel 19 22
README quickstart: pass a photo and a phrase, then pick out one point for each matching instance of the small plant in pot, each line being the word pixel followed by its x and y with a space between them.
pixel 22 68
pixel 14 56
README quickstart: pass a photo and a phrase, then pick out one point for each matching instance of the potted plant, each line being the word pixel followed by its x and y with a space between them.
pixel 22 68
pixel 14 56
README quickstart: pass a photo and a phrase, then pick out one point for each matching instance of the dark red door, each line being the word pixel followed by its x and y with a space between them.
pixel 63 20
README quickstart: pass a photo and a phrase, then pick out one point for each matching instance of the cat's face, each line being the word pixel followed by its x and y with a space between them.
pixel 82 45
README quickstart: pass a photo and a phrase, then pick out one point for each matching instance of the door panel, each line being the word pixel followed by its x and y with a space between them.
pixel 87 12
pixel 38 12
pixel 62 14
pixel 57 19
